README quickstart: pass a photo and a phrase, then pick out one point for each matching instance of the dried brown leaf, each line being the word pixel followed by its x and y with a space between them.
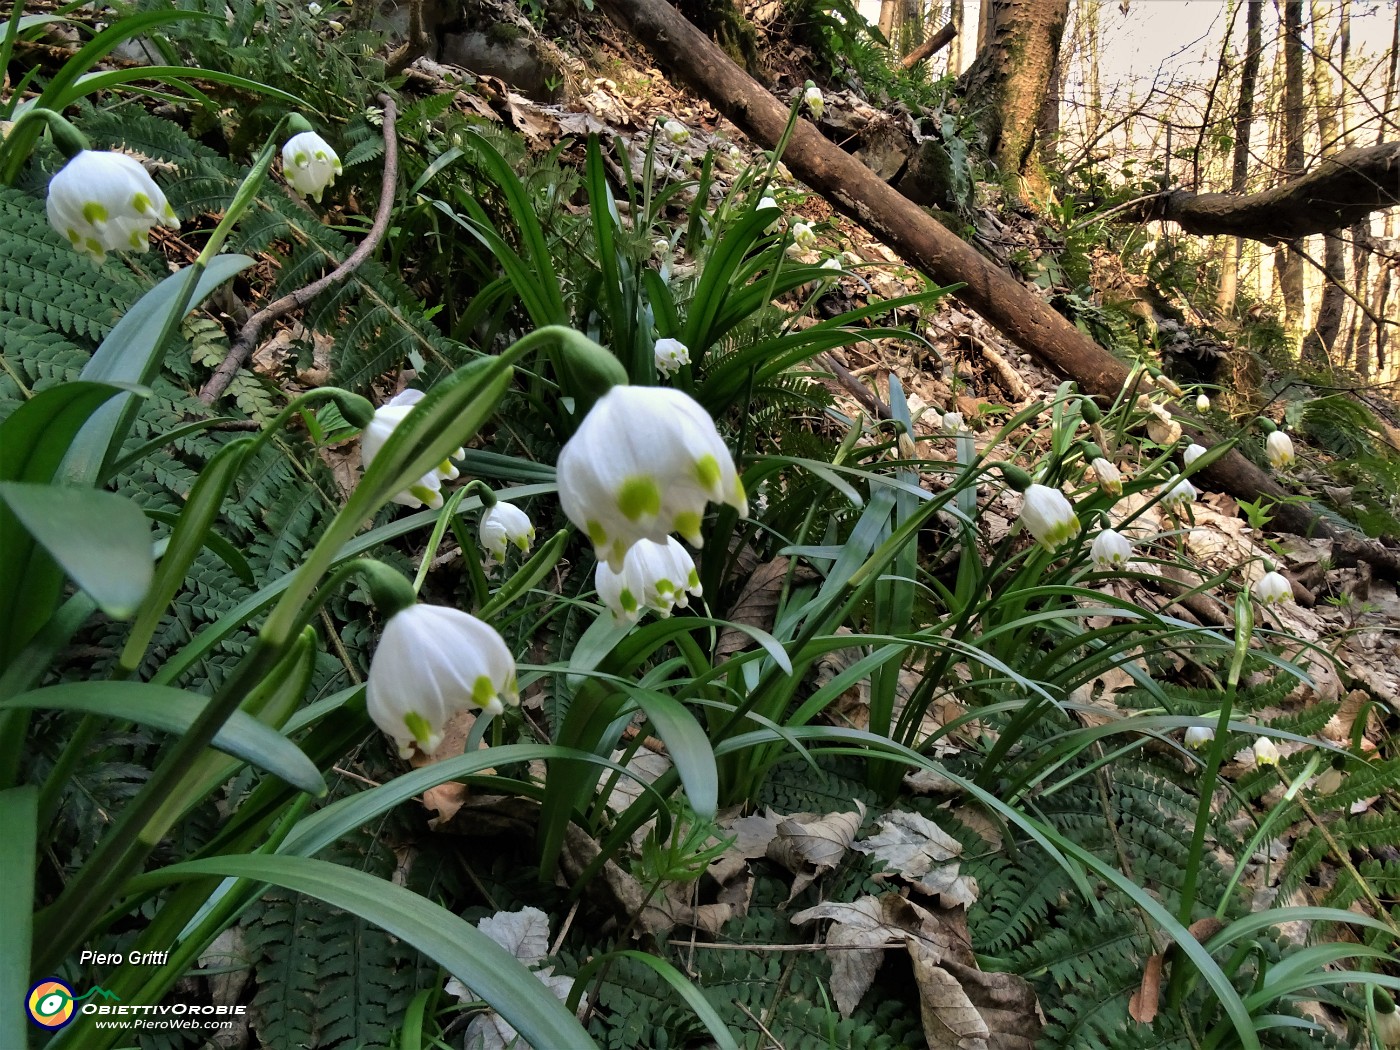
pixel 1142 1007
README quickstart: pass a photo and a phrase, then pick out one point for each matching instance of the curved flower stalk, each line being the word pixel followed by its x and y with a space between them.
pixel 643 464
pixel 656 576
pixel 428 489
pixel 104 202
pixel 309 164
pixel 505 525
pixel 432 662
pixel 1049 516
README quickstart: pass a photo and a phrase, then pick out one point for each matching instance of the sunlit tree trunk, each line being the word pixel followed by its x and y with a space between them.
pixel 1381 289
pixel 1319 342
pixel 1291 268
pixel 1007 83
pixel 1244 123
pixel 955 49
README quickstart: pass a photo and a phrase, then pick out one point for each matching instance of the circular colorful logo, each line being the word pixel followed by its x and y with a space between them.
pixel 50 1004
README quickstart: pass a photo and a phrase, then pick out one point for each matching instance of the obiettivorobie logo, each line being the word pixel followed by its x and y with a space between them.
pixel 52 1003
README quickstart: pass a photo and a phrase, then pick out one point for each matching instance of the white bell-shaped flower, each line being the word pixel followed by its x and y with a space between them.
pixel 812 96
pixel 1180 495
pixel 432 662
pixel 1273 588
pixel 105 202
pixel 954 421
pixel 670 355
pixel 1198 737
pixel 1110 551
pixel 676 132
pixel 1193 452
pixel 656 576
pixel 832 263
pixel 427 489
pixel 503 526
pixel 309 164
pixel 1265 752
pixel 776 224
pixel 803 235
pixel 1202 403
pixel 1110 477
pixel 1278 446
pixel 643 464
pixel 1049 516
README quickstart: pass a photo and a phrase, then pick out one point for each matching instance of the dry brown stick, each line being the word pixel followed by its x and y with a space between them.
pixel 851 382
pixel 248 334
pixel 930 47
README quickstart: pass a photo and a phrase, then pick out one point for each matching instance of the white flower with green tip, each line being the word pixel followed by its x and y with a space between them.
pixel 670 355
pixel 503 526
pixel 1110 477
pixel 1048 516
pixel 812 96
pixel 1193 452
pixel 309 164
pixel 1202 403
pixel 432 662
pixel 427 490
pixel 1110 551
pixel 656 576
pixel 1180 495
pixel 803 235
pixel 105 202
pixel 643 464
pixel 1278 446
pixel 1273 588
pixel 1265 752
pixel 676 132
pixel 1198 737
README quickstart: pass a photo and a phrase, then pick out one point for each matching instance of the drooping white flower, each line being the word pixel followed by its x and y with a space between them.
pixel 427 489
pixel 313 8
pixel 676 132
pixel 1273 588
pixel 1198 737
pixel 1168 384
pixel 670 355
pixel 812 96
pixel 1193 452
pixel 1202 403
pixel 643 464
pixel 1179 496
pixel 776 224
pixel 432 662
pixel 105 202
pixel 1265 752
pixel 832 263
pixel 1110 477
pixel 656 576
pixel 1049 516
pixel 309 164
pixel 1111 550
pixel 803 236
pixel 1278 446
pixel 953 421
pixel 503 526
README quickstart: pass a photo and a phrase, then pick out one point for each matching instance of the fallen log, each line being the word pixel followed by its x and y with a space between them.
pixel 856 192
pixel 1342 190
pixel 929 47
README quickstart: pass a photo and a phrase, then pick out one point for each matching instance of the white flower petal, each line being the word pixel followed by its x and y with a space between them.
pixel 101 202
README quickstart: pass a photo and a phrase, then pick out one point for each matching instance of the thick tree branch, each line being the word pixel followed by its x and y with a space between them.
pixel 930 47
pixel 1340 191
pixel 248 335
pixel 855 191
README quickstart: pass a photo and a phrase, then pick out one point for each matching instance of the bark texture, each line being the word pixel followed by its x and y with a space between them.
pixel 1342 190
pixel 857 193
pixel 930 47
pixel 1006 84
pixel 1244 124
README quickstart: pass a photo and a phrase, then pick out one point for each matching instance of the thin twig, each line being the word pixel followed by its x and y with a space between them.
pixel 248 335
pixel 864 395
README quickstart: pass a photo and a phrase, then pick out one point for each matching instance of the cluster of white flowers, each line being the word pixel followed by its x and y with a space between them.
pixel 656 576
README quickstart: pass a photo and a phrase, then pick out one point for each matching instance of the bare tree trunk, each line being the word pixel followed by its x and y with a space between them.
pixel 1048 130
pixel 1089 11
pixel 889 16
pixel 1290 263
pixel 1382 286
pixel 1007 83
pixel 985 20
pixel 1319 343
pixel 1244 122
pixel 956 16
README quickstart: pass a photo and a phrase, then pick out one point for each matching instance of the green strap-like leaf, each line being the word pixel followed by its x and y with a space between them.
pixel 455 944
pixel 102 540
pixel 18 807
pixel 174 711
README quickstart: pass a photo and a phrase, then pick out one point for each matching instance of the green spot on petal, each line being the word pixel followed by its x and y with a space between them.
pixel 419 727
pixel 628 600
pixel 94 213
pixel 707 471
pixel 142 204
pixel 422 493
pixel 693 580
pixel 665 586
pixel 597 535
pixel 639 496
pixel 483 691
pixel 688 524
